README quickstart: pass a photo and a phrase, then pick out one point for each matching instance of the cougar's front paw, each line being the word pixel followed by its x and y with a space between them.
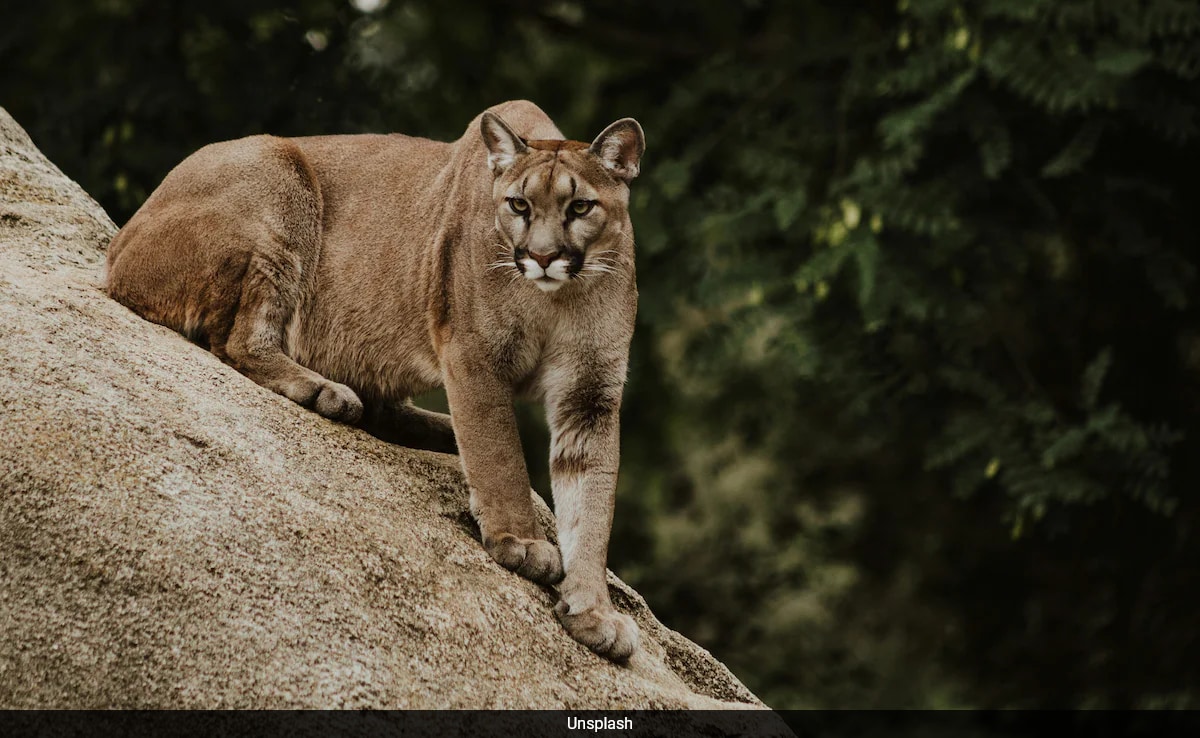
pixel 531 558
pixel 609 633
pixel 338 402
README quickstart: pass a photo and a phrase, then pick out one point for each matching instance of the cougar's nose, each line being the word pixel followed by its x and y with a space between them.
pixel 544 260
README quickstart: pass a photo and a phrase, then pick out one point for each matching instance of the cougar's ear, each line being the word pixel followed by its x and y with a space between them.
pixel 620 147
pixel 504 146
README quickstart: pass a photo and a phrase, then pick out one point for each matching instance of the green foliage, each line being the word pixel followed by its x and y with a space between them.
pixel 968 299
pixel 914 383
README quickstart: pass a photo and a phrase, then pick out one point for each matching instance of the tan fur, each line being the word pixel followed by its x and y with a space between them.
pixel 352 271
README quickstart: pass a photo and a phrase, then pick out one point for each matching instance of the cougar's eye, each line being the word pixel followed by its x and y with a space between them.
pixel 518 205
pixel 581 207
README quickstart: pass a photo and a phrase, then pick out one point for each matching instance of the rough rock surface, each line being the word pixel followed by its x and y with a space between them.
pixel 174 536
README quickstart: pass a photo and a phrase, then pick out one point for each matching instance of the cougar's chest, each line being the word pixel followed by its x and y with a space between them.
pixel 521 353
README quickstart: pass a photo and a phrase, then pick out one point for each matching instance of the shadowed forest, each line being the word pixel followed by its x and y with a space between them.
pixel 914 397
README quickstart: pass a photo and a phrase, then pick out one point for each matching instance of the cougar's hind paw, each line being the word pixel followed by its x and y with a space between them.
pixel 338 402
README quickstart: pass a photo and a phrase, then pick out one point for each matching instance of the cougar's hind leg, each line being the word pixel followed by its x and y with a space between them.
pixel 279 273
pixel 255 344
pixel 408 425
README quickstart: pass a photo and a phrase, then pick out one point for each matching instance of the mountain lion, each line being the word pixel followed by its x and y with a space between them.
pixel 350 273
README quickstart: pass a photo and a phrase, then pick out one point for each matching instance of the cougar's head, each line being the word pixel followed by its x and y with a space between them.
pixel 562 206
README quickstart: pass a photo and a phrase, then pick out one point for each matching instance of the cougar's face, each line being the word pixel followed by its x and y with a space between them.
pixel 551 217
pixel 560 206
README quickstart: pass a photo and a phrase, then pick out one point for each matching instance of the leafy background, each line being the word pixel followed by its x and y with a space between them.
pixel 913 404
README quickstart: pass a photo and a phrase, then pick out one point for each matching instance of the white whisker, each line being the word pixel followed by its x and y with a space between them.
pixel 609 259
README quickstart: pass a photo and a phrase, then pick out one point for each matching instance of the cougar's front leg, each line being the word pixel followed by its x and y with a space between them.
pixel 584 456
pixel 485 426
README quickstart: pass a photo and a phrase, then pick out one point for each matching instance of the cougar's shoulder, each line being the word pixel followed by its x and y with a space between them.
pixel 525 117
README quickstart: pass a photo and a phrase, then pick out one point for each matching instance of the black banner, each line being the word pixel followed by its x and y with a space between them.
pixel 642 724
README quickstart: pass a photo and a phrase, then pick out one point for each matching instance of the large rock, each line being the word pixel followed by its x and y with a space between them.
pixel 174 536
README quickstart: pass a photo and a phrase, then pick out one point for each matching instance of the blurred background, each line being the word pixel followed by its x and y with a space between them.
pixel 913 405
